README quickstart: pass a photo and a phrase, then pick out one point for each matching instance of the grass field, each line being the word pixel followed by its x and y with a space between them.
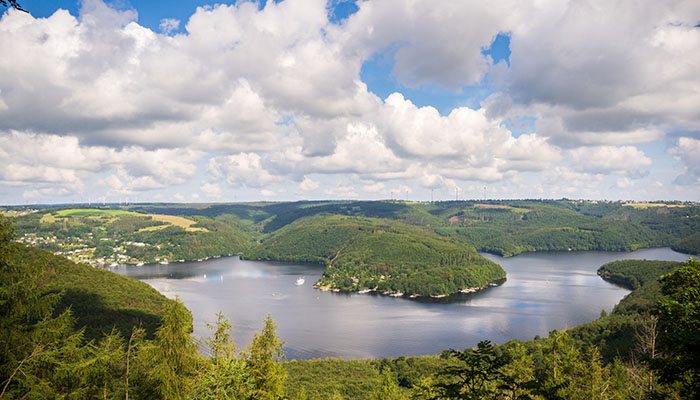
pixel 92 212
pixel 502 207
pixel 83 212
pixel 651 205
pixel 170 220
pixel 184 223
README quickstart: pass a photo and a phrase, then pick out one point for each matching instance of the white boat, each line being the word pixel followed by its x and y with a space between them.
pixel 164 263
pixel 300 281
pixel 139 264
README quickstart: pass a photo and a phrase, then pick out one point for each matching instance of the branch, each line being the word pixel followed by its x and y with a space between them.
pixel 36 351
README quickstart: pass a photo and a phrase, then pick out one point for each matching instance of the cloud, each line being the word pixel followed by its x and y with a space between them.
pixel 272 96
pixel 62 162
pixel 309 184
pixel 609 159
pixel 374 187
pixel 167 25
pixel 432 42
pixel 341 191
pixel 211 189
pixel 243 169
pixel 465 140
pixel 687 151
pixel 603 73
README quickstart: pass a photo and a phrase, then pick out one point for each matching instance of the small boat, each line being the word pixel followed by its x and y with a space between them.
pixel 164 263
pixel 300 281
pixel 139 264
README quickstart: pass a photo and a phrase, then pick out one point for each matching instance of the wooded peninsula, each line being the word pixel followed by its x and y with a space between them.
pixel 392 247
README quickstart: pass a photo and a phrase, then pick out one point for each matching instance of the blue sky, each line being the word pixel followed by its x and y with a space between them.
pixel 308 99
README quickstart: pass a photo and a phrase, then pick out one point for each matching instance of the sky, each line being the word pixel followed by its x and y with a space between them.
pixel 192 101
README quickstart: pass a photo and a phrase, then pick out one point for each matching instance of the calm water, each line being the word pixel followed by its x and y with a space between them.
pixel 544 291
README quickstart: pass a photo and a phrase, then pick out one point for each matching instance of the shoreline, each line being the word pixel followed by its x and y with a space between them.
pixel 466 291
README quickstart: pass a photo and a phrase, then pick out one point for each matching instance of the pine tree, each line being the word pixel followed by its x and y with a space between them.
pixel 474 374
pixel 104 367
pixel 266 373
pixel 390 388
pixel 173 357
pixel 39 353
pixel 225 376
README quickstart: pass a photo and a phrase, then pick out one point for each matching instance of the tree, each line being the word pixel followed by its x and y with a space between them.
pixel 390 388
pixel 518 374
pixel 647 345
pixel 13 4
pixel 225 376
pixel 173 357
pixel 679 321
pixel 266 373
pixel 104 367
pixel 38 352
pixel 474 374
pixel 134 343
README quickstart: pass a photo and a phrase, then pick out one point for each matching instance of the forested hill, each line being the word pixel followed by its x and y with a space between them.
pixel 379 254
pixel 102 235
pixel 615 334
pixel 98 299
pixel 504 227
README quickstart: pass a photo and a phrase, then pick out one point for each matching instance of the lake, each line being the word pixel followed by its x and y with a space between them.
pixel 543 291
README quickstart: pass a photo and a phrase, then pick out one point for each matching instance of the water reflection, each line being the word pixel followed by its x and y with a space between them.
pixel 543 292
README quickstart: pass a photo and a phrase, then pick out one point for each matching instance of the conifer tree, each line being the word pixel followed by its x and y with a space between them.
pixel 679 320
pixel 266 373
pixel 225 376
pixel 103 368
pixel 38 352
pixel 173 358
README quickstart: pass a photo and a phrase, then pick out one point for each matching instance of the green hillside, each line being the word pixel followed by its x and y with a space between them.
pixel 689 244
pixel 379 254
pixel 615 334
pixel 105 236
pixel 99 299
pixel 512 227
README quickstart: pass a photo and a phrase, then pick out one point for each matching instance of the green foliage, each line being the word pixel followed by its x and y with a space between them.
pixel 389 389
pixel 99 299
pixel 43 355
pixel 38 351
pixel 173 355
pixel 614 334
pixel 384 255
pixel 508 228
pixel 47 300
pixel 474 373
pixel 689 244
pixel 224 376
pixel 90 212
pixel 266 374
pixel 321 379
pixel 679 319
pixel 123 236
pixel 632 274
